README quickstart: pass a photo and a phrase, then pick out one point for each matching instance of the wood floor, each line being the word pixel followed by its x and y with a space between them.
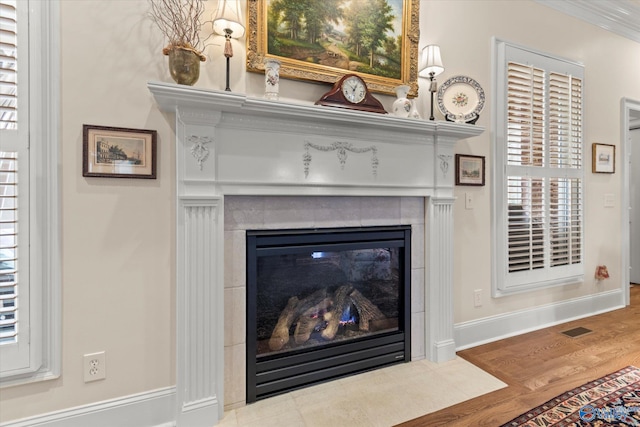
pixel 543 364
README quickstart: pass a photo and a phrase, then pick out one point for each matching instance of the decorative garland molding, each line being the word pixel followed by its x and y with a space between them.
pixel 341 148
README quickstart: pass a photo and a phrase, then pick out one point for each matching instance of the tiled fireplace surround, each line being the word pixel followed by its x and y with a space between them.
pixel 251 163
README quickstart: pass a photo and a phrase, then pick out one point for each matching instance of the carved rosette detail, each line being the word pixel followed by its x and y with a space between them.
pixel 199 149
pixel 342 149
pixel 444 163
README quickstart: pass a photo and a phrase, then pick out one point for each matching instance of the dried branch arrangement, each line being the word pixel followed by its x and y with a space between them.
pixel 180 22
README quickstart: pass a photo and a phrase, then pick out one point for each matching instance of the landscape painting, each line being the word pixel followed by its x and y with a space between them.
pixel 110 152
pixel 323 40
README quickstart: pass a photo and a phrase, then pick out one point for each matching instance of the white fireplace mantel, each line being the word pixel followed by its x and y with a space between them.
pixel 231 144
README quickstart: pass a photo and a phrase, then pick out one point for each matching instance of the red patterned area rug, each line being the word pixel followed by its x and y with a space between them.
pixel 613 400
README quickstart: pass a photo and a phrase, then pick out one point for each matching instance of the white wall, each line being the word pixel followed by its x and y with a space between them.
pixel 118 235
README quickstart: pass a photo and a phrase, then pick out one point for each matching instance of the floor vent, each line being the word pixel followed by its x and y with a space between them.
pixel 577 332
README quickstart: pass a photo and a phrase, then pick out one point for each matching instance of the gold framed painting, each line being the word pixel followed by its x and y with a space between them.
pixel 324 40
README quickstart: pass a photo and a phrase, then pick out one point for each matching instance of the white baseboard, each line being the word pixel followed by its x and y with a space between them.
pixel 149 409
pixel 482 331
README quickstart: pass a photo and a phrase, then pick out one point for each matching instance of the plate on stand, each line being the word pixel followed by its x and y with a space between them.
pixel 461 99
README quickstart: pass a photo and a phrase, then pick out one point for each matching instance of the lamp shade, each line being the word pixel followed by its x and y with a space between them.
pixel 431 62
pixel 228 16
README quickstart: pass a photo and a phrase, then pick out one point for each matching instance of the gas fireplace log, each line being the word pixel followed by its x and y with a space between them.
pixel 316 301
pixel 310 319
pixel 295 308
pixel 280 335
pixel 366 309
pixel 341 303
pixel 304 328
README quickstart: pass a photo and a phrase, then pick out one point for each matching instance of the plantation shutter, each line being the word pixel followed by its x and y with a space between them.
pixel 539 142
pixel 525 150
pixel 14 187
pixel 8 246
pixel 565 136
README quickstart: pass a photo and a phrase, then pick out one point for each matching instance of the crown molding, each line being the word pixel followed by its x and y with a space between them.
pixel 618 16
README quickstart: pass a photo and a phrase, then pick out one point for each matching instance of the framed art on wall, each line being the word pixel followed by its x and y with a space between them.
pixel 324 40
pixel 469 170
pixel 111 152
pixel 603 158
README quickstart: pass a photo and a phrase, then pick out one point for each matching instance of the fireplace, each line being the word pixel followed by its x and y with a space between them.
pixel 325 303
pixel 230 145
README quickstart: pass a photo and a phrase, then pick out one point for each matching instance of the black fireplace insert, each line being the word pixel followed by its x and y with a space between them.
pixel 324 304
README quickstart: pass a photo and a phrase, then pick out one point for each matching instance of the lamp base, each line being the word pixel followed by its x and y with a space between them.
pixel 432 88
pixel 228 89
pixel 228 53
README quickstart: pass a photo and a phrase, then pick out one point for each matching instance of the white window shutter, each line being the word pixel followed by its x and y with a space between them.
pixel 538 177
pixel 8 64
pixel 14 188
pixel 30 291
pixel 8 246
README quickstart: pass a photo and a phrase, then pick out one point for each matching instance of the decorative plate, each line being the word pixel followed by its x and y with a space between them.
pixel 461 99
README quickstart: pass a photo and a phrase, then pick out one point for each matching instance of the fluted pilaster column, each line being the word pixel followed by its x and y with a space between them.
pixel 199 319
pixel 199 272
pixel 439 287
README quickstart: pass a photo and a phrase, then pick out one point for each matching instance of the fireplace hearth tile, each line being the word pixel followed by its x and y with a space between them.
pixel 417 336
pixel 235 389
pixel 336 410
pixel 282 409
pixel 244 212
pixel 457 373
pixel 336 212
pixel 235 244
pixel 380 210
pixel 235 318
pixel 417 253
pixel 383 398
pixel 417 289
pixel 288 212
pixel 412 210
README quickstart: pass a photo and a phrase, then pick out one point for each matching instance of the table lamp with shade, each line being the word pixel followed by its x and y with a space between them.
pixel 431 66
pixel 227 22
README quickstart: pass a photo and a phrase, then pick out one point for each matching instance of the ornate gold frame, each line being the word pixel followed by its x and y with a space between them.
pixel 301 70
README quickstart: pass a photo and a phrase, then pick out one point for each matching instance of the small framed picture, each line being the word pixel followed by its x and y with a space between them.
pixel 111 152
pixel 469 170
pixel 603 158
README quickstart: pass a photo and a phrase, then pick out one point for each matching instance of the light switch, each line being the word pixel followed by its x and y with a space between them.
pixel 468 201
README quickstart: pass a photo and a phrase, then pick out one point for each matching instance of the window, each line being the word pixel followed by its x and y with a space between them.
pixel 29 230
pixel 538 178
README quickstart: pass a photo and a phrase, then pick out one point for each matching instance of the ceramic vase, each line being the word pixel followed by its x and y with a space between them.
pixel 271 78
pixel 402 105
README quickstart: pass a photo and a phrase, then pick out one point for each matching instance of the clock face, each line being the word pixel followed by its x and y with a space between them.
pixel 354 89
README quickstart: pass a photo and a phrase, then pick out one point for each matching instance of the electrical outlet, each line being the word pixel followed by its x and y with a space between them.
pixel 95 367
pixel 477 298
